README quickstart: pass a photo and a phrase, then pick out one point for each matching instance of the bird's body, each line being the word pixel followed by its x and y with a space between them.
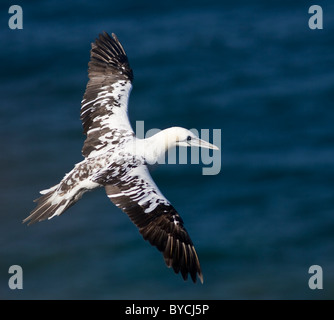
pixel 114 158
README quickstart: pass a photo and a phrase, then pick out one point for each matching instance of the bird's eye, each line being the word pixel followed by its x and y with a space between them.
pixel 188 138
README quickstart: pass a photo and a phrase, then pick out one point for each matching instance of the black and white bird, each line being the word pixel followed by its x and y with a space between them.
pixel 114 158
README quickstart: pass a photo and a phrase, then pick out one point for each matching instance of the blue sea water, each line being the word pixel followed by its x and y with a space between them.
pixel 253 69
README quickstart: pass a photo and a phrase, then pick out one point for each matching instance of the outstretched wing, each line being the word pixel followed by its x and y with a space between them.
pixel 105 102
pixel 135 192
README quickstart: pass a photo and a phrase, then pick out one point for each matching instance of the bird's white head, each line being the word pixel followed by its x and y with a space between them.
pixel 185 138
pixel 154 147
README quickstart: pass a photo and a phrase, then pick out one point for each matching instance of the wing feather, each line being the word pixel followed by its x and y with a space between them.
pixel 105 102
pixel 136 194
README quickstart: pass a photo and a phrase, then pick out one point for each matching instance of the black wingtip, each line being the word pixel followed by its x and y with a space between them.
pixel 187 263
pixel 174 242
pixel 108 57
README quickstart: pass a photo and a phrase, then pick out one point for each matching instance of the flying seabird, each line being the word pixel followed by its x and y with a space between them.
pixel 114 158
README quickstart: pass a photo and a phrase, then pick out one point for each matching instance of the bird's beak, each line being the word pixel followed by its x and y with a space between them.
pixel 202 144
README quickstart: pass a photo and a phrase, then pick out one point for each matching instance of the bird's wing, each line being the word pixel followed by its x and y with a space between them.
pixel 105 102
pixel 134 191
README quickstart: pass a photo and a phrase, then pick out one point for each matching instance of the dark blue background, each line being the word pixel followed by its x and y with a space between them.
pixel 253 69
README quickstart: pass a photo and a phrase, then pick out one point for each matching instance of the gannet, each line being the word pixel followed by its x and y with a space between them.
pixel 114 158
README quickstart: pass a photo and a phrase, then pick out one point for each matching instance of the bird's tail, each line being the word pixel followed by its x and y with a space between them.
pixel 51 203
pixel 57 199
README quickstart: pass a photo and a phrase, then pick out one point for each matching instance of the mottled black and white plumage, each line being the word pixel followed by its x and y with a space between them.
pixel 116 160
